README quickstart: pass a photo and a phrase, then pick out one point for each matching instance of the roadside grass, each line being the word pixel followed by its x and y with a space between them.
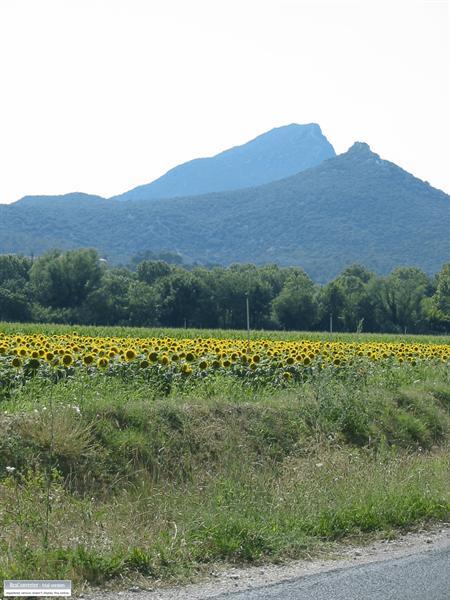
pixel 238 513
pixel 140 484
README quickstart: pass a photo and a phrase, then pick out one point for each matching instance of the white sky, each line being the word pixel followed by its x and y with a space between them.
pixel 103 95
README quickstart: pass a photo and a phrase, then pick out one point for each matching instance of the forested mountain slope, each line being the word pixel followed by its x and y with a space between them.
pixel 351 208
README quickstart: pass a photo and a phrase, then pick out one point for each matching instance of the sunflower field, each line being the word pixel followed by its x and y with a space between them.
pixel 169 359
pixel 156 454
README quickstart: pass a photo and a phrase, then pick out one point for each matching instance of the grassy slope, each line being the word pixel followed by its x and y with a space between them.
pixel 162 486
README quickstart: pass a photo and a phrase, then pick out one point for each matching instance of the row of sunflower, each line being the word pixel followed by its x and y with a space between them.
pixel 190 356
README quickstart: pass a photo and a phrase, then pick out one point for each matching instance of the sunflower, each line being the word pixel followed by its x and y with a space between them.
pixel 186 370
pixel 33 364
pixel 130 354
pixel 66 359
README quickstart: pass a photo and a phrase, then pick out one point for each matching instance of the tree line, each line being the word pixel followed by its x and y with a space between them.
pixel 79 287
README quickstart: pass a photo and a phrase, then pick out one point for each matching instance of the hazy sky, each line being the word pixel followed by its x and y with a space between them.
pixel 103 95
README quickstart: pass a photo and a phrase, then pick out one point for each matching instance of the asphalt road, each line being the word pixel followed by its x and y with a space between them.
pixel 421 576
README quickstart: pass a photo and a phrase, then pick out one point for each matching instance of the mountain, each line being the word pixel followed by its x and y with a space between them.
pixel 59 202
pixel 354 207
pixel 78 197
pixel 276 154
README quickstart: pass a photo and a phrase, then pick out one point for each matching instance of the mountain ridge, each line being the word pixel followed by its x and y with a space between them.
pixel 275 154
pixel 355 207
pixel 70 196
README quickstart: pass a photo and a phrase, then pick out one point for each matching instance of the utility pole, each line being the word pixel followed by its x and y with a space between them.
pixel 331 322
pixel 247 303
pixel 247 306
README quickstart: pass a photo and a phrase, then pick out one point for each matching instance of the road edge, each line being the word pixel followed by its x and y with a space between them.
pixel 223 579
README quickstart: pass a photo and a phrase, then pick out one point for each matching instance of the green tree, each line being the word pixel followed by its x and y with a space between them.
pixel 15 302
pixel 14 268
pixel 142 304
pixel 441 297
pixel 399 300
pixel 178 298
pixel 149 271
pixel 108 303
pixel 295 306
pixel 14 305
pixel 65 280
pixel 357 310
pixel 437 308
pixel 331 302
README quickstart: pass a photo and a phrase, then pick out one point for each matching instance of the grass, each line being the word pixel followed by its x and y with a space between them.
pixel 238 514
pixel 141 484
pixel 122 331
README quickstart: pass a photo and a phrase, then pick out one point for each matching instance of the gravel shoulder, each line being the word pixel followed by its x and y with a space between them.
pixel 222 580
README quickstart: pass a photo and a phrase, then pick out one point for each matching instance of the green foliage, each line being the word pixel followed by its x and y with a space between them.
pixel 399 298
pixel 159 485
pixel 77 287
pixel 442 296
pixel 14 268
pixel 149 271
pixel 108 427
pixel 64 280
pixel 108 304
pixel 14 288
pixel 437 308
pixel 294 307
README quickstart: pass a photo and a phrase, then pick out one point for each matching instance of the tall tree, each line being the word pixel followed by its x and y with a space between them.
pixel 437 308
pixel 357 310
pixel 64 280
pixel 399 300
pixel 295 306
pixel 108 304
pixel 149 271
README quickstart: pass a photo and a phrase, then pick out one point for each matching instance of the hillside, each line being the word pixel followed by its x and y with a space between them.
pixel 79 197
pixel 276 154
pixel 351 208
